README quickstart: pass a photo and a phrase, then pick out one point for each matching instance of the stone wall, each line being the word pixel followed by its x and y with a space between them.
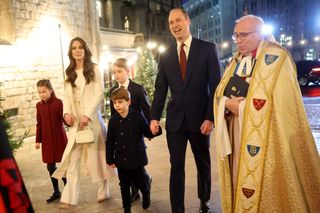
pixel 43 29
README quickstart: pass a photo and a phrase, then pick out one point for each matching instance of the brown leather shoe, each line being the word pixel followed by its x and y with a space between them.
pixel 101 199
pixel 65 206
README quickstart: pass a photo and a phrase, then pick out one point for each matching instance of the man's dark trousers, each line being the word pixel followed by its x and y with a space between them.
pixel 177 144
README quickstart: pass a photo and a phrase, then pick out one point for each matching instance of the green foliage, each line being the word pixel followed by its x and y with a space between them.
pixel 146 71
pixel 14 142
pixel 107 112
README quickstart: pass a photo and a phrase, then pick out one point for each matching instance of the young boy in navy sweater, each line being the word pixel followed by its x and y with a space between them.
pixel 126 149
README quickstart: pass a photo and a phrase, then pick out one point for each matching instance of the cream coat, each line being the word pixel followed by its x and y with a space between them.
pixel 94 158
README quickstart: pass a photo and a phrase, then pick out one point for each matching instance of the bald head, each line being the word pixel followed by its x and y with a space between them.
pixel 248 33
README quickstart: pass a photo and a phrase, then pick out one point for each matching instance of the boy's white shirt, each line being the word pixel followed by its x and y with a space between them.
pixel 126 84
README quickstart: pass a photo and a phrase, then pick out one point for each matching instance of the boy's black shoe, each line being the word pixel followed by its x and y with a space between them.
pixel 146 200
pixel 54 197
pixel 134 193
pixel 127 210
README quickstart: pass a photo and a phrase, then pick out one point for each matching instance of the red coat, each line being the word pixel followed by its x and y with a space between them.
pixel 50 130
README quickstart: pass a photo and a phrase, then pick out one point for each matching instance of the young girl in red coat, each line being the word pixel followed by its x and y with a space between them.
pixel 50 131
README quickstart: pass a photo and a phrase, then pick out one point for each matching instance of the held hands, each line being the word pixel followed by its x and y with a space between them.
pixel 206 127
pixel 233 104
pixel 37 146
pixel 154 126
pixel 69 118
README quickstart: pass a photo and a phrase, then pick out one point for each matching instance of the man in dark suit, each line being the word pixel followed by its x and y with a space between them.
pixel 192 74
pixel 139 102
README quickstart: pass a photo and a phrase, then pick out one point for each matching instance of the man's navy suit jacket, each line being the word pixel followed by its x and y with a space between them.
pixel 191 99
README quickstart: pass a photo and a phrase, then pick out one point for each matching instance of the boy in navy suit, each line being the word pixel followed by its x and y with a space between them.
pixel 139 97
pixel 126 149
pixel 139 102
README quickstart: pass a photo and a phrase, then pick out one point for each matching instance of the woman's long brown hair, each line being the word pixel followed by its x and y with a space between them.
pixel 88 65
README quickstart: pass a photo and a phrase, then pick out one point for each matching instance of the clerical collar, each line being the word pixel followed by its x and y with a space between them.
pixel 245 64
pixel 254 53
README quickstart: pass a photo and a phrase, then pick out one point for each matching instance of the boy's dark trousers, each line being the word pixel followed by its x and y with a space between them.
pixel 126 177
pixel 134 188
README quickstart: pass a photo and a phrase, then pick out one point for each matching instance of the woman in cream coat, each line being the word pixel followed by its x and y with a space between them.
pixel 83 95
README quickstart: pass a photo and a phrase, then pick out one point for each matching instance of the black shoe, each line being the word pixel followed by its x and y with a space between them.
pixel 134 194
pixel 204 207
pixel 127 210
pixel 54 197
pixel 146 200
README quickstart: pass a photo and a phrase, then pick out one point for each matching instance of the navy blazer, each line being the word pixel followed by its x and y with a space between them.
pixel 125 145
pixel 139 99
pixel 191 99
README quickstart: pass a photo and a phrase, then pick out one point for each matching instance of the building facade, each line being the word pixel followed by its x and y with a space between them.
pixel 296 24
pixel 39 32
pixel 213 21
pixel 147 18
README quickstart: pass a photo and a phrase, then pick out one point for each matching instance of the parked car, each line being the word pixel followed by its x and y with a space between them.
pixel 308 72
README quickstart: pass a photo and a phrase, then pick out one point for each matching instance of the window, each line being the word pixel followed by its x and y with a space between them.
pixel 163 23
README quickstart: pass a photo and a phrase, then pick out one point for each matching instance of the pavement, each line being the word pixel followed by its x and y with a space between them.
pixel 38 184
pixel 39 187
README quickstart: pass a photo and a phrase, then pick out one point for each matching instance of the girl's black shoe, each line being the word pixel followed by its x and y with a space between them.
pixel 54 197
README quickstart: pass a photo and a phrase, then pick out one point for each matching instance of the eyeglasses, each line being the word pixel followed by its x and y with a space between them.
pixel 241 36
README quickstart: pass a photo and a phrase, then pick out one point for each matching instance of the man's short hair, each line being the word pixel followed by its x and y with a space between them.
pixel 184 12
pixel 120 93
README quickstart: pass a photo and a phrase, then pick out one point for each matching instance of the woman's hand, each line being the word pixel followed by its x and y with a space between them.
pixel 84 121
pixel 69 118
pixel 233 104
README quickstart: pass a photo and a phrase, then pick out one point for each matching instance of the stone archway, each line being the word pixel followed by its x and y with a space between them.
pixel 7 30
